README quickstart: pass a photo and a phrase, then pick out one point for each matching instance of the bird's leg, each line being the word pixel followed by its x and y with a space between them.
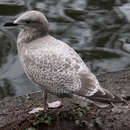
pixel 45 105
pixel 56 104
pixel 62 101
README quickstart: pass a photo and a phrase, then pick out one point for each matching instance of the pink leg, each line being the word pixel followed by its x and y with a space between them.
pixel 41 108
pixel 45 106
pixel 52 105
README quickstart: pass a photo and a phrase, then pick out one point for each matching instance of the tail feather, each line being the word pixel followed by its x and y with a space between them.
pixel 104 96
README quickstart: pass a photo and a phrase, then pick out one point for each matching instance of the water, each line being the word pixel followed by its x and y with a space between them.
pixel 92 28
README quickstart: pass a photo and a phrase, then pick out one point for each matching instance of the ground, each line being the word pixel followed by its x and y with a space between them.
pixel 14 110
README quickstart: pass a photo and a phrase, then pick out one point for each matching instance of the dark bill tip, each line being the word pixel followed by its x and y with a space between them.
pixel 10 24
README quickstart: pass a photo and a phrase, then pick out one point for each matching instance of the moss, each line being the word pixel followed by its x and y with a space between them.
pixel 74 113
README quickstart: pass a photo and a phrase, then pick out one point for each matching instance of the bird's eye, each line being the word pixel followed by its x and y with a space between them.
pixel 27 21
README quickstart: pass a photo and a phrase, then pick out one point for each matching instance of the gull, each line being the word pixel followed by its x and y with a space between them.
pixel 53 65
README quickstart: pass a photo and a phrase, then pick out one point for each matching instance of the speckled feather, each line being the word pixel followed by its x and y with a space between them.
pixel 56 67
pixel 52 64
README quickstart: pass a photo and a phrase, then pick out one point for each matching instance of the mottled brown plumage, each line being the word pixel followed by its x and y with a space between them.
pixel 53 65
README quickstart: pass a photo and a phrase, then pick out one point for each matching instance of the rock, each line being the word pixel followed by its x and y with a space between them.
pixel 14 110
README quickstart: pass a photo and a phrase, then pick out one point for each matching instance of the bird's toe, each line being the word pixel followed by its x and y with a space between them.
pixel 55 104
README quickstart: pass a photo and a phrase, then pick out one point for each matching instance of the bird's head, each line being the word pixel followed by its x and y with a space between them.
pixel 31 20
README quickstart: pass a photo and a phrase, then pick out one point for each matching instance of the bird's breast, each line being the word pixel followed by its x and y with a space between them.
pixel 50 71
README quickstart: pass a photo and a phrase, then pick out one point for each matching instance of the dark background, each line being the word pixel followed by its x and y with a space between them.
pixel 93 28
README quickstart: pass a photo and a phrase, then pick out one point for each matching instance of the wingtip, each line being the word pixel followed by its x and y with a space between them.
pixel 105 96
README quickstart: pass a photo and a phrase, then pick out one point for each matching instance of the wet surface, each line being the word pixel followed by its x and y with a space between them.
pixel 94 29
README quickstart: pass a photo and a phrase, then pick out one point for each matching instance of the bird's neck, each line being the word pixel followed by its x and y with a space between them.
pixel 26 36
